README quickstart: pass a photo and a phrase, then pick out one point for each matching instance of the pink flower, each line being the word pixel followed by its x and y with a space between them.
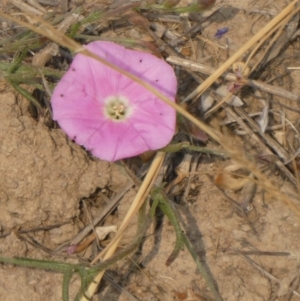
pixel 108 113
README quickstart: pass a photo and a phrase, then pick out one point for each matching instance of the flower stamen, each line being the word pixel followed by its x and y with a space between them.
pixel 117 108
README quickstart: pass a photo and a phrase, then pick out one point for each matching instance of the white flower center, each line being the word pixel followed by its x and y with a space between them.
pixel 117 108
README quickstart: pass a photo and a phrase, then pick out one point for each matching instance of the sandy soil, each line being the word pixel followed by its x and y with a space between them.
pixel 44 176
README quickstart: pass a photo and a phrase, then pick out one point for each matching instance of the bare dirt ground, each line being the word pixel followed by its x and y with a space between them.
pixel 45 177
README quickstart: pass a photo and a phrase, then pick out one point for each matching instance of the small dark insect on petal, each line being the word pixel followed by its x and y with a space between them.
pixel 220 32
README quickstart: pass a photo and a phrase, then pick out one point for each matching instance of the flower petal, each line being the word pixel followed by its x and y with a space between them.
pixel 79 100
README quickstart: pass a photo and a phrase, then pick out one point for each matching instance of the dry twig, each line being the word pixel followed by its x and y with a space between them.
pixel 195 66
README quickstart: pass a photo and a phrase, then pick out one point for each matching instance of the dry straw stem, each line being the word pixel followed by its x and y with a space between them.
pixel 199 67
pixel 266 273
pixel 134 208
pixel 290 9
pixel 105 212
pixel 218 105
pixel 142 194
pixel 281 25
pixel 252 129
pixel 235 153
pixel 27 8
pixel 58 37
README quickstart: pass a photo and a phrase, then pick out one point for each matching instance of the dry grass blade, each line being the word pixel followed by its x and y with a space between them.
pixel 237 154
pixel 264 272
pixel 234 152
pixel 108 209
pixel 289 10
pixel 238 115
pixel 273 144
pixel 142 194
pixel 135 206
pixel 285 30
pixel 218 105
pixel 43 56
pixel 27 8
pixel 195 66
pixel 281 32
pixel 38 6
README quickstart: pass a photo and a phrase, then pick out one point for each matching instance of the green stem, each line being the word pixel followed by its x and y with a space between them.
pixel 66 283
pixel 181 239
pixel 40 264
pixel 202 270
pixel 163 203
pixel 25 93
pixel 15 65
